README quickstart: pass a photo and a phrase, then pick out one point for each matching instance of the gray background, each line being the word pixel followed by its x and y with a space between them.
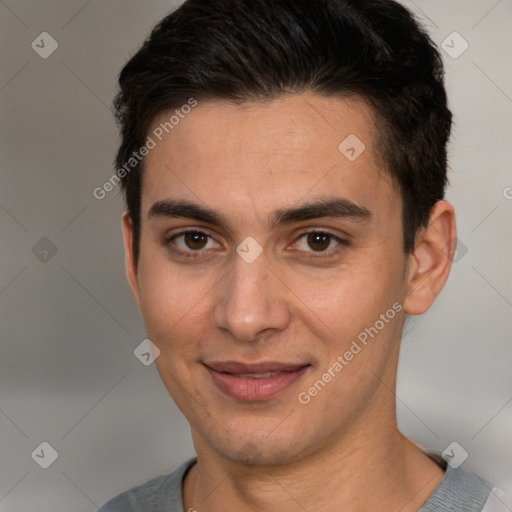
pixel 68 375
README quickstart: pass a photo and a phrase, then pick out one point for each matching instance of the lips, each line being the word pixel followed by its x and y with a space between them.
pixel 265 375
pixel 253 368
pixel 254 381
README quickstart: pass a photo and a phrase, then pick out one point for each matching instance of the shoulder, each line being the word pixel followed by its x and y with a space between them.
pixel 499 501
pixel 462 491
pixel 160 494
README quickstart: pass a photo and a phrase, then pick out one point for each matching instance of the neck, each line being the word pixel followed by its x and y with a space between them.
pixel 372 467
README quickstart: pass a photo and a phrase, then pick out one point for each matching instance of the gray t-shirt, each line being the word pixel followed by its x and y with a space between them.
pixel 458 491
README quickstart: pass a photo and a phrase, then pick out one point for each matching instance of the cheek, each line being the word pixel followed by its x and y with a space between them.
pixel 169 294
pixel 159 299
pixel 174 317
pixel 176 308
pixel 349 297
pixel 164 300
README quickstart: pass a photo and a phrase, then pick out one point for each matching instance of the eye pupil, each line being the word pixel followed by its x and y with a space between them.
pixel 195 240
pixel 318 241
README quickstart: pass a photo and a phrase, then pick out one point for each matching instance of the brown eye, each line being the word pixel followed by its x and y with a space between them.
pixel 192 242
pixel 195 241
pixel 318 241
pixel 321 242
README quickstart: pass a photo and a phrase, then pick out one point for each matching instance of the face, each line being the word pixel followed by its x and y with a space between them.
pixel 266 255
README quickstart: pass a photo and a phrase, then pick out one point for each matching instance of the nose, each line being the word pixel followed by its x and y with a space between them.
pixel 251 301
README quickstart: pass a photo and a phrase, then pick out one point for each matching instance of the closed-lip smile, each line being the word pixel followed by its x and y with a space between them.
pixel 254 381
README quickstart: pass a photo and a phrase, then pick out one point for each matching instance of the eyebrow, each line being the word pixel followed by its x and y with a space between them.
pixel 329 207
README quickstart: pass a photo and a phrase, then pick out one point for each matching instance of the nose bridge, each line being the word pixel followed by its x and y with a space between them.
pixel 249 302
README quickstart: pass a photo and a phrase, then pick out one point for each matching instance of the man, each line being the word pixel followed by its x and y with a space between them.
pixel 284 167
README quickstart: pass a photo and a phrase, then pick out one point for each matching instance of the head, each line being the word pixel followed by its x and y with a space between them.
pixel 304 142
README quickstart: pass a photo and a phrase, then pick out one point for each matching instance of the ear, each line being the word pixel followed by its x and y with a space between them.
pixel 129 259
pixel 430 263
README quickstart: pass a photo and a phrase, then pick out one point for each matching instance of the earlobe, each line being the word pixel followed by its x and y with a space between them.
pixel 431 260
pixel 129 259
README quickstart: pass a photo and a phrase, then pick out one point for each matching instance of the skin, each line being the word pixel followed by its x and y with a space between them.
pixel 245 162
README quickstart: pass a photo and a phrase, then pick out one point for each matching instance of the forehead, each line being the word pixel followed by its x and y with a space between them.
pixel 266 155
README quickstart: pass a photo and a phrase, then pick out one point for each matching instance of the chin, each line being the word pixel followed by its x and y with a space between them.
pixel 258 447
pixel 262 454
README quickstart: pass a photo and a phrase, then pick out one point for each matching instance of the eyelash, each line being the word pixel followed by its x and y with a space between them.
pixel 320 254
